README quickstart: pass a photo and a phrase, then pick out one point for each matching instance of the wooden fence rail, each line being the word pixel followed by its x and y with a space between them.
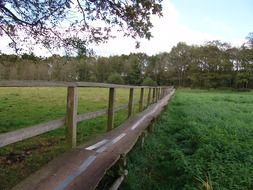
pixel 72 118
pixel 28 132
pixel 38 83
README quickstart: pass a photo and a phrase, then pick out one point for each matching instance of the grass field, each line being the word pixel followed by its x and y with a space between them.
pixel 24 107
pixel 204 140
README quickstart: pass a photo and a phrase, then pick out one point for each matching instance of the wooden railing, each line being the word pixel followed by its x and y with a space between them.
pixel 72 118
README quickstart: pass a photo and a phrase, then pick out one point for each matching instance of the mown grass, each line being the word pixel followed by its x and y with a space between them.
pixel 24 107
pixel 204 140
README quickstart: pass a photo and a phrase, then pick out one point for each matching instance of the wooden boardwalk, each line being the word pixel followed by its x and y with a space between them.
pixel 83 168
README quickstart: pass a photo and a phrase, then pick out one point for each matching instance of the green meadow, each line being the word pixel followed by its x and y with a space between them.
pixel 203 140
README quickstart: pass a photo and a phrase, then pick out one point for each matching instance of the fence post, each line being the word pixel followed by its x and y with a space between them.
pixel 156 93
pixel 71 117
pixel 149 97
pixel 162 92
pixel 159 93
pixel 110 118
pixel 153 98
pixel 131 102
pixel 141 100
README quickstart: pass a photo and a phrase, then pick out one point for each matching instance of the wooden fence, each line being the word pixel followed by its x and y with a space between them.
pixel 72 118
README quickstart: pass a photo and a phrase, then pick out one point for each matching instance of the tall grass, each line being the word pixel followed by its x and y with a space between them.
pixel 202 141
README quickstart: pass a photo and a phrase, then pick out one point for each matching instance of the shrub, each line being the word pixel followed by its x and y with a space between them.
pixel 115 78
pixel 149 82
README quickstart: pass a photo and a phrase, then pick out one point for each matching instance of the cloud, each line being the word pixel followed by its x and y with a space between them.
pixel 4 47
pixel 167 31
pixel 38 50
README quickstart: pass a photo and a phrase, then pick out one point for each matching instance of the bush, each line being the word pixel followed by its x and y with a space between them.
pixel 149 82
pixel 115 78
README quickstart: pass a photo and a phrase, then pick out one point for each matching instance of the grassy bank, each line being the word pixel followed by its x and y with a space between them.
pixel 202 141
pixel 24 107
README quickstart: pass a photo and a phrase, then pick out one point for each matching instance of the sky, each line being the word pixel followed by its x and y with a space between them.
pixel 190 21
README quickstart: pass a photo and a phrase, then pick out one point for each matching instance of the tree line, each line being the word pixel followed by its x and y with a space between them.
pixel 212 65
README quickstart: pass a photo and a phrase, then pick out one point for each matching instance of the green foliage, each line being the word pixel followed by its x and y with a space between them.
pixel 148 82
pixel 212 65
pixel 115 78
pixel 134 76
pixel 203 140
pixel 85 70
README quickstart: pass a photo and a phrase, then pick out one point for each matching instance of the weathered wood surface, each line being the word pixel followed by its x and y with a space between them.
pixel 156 96
pixel 39 83
pixel 110 118
pixel 130 102
pixel 141 101
pixel 28 132
pixel 25 133
pixel 153 96
pixel 149 97
pixel 159 93
pixel 71 117
pixel 43 83
pixel 24 83
pixel 104 85
pixel 92 115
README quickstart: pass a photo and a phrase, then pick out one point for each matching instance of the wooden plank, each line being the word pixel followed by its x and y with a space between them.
pixel 93 115
pixel 71 117
pixel 90 115
pixel 25 133
pixel 125 106
pixel 22 134
pixel 34 83
pixel 103 85
pixel 159 93
pixel 117 183
pixel 106 85
pixel 141 101
pixel 130 102
pixel 153 98
pixel 149 97
pixel 110 117
pixel 162 93
pixel 40 83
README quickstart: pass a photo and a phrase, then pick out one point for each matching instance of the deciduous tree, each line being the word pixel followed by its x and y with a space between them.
pixel 74 23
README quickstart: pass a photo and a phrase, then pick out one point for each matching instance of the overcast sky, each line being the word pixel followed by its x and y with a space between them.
pixel 191 21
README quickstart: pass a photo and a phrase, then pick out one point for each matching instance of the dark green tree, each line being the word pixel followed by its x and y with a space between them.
pixel 180 59
pixel 148 82
pixel 136 70
pixel 115 78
